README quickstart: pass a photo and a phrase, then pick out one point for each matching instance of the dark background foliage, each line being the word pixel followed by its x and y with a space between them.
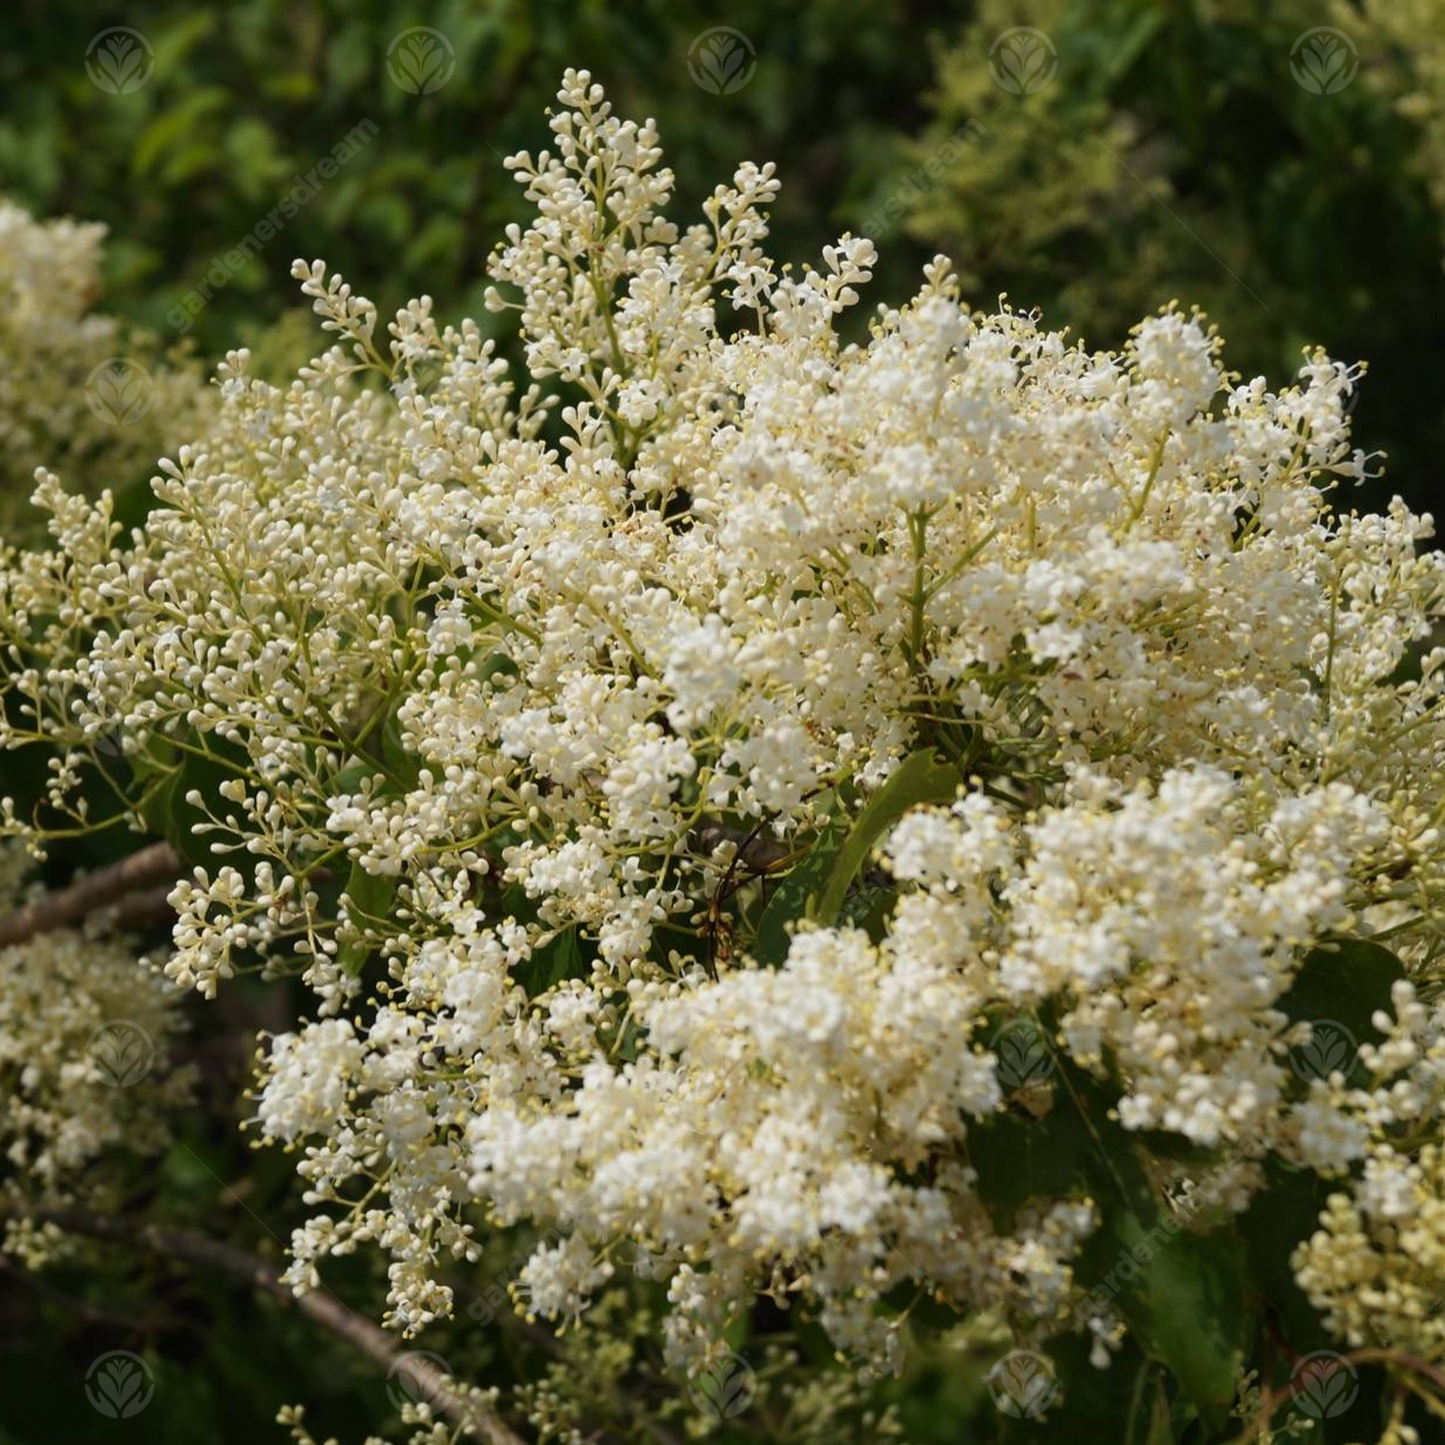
pixel 1173 154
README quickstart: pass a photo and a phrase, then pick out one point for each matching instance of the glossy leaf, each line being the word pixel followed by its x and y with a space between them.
pixel 793 895
pixel 557 960
pixel 920 778
pixel 371 896
pixel 1182 1294
pixel 1346 981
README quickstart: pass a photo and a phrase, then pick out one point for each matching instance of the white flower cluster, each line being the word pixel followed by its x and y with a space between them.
pixel 1377 1266
pixel 85 1037
pixel 1165 919
pixel 53 347
pixel 516 722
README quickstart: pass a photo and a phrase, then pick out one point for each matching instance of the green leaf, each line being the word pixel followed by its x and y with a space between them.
pixel 176 41
pixel 371 896
pixel 496 664
pixel 1338 989
pixel 870 909
pixel 514 903
pixel 792 896
pixel 1087 1407
pixel 1161 1428
pixel 402 764
pixel 1186 1303
pixel 177 128
pixel 1020 1159
pixel 1121 52
pixel 290 86
pixel 1280 1217
pixel 210 762
pixel 1346 982
pixel 1182 1294
pixel 198 158
pixel 349 780
pixel 147 767
pixel 920 778
pixel 817 886
pixel 558 959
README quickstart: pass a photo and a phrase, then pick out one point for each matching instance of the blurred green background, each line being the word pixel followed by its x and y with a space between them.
pixel 1162 149
pixel 1280 163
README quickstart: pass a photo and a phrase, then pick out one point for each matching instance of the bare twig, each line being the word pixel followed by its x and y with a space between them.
pixel 318 1304
pixel 86 1313
pixel 1272 1399
pixel 542 1339
pixel 107 886
pixel 756 851
pixel 141 910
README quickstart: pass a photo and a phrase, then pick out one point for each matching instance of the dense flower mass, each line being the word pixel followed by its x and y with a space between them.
pixel 76 390
pixel 676 778
pixel 1377 1266
pixel 85 1070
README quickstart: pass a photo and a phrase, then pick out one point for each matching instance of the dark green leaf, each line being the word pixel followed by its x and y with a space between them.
pixel 1339 987
pixel 371 896
pixel 1020 1159
pixel 1282 1216
pixel 200 764
pixel 558 959
pixel 1346 981
pixel 792 896
pixel 920 778
pixel 405 767
pixel 1182 1294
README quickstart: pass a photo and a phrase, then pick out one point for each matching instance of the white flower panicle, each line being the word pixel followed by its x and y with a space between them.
pixel 512 721
pixel 86 1037
pixel 76 389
